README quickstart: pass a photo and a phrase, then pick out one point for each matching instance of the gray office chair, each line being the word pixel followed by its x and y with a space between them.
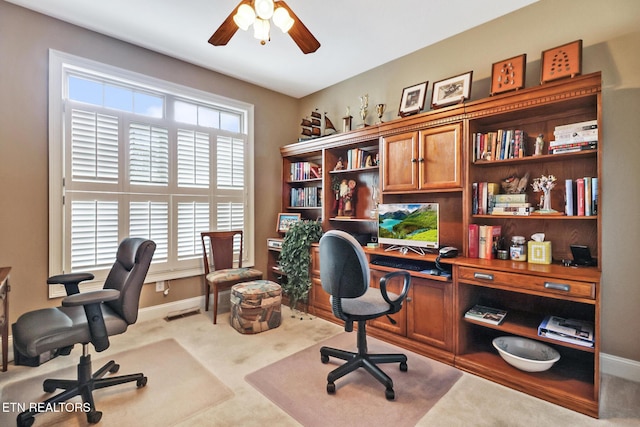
pixel 344 272
pixel 84 318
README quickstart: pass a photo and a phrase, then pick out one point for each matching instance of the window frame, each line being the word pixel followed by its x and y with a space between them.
pixel 60 64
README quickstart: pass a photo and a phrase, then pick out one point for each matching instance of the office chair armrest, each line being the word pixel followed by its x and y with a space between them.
pixel 92 302
pixel 93 297
pixel 70 281
pixel 405 286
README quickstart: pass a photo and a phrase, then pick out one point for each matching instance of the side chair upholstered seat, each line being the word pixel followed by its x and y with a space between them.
pixel 219 271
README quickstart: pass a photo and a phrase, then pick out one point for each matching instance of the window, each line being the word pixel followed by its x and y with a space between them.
pixel 134 156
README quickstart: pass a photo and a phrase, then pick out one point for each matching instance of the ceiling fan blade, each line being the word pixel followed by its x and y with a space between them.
pixel 300 33
pixel 227 29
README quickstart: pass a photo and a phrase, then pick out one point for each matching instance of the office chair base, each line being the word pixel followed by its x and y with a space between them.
pixel 83 386
pixel 362 359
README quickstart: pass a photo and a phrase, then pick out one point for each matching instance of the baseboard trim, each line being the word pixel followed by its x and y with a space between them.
pixel 620 367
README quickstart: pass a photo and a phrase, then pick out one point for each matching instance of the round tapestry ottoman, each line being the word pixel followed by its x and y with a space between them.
pixel 255 306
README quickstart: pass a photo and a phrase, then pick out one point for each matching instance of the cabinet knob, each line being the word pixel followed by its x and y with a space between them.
pixel 421 159
pixel 413 160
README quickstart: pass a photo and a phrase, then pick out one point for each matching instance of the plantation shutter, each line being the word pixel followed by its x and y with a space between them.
pixel 94 146
pixel 193 218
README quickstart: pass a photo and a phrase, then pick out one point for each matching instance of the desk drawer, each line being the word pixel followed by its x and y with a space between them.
pixel 547 285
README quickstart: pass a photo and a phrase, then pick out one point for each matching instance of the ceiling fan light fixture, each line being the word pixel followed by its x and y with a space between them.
pixel 244 17
pixel 282 19
pixel 264 8
pixel 261 30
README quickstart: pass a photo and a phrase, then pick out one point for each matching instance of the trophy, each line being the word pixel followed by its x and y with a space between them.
pixel 380 111
pixel 364 104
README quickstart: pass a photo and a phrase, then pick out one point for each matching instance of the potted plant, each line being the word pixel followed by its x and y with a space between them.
pixel 295 259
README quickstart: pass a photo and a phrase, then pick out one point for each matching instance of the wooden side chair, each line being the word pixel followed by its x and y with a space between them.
pixel 219 272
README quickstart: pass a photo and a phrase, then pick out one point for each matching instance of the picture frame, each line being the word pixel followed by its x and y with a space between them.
pixel 561 61
pixel 285 220
pixel 508 74
pixel 412 99
pixel 450 91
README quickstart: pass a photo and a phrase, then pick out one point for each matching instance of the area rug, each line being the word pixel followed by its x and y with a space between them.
pixel 297 384
pixel 172 374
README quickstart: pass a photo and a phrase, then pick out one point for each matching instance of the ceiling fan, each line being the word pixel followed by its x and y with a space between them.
pixel 259 13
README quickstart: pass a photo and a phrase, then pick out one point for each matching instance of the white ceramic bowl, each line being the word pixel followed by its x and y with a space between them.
pixel 525 354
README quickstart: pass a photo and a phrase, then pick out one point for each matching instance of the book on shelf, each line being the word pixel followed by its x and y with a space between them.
pixel 473 240
pixel 586 125
pixel 568 198
pixel 512 210
pixel 510 198
pixel 574 148
pixel 587 196
pixel 306 197
pixel 594 195
pixel 485 314
pixel 574 331
pixel 574 136
pixel 580 196
pixel 482 193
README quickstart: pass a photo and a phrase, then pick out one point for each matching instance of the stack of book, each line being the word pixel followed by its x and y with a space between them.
pixel 358 159
pixel 510 204
pixel 481 196
pixel 579 332
pixel 574 137
pixel 485 314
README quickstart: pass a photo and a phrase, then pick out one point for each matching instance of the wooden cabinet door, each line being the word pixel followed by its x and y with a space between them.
pixel 439 158
pixel 399 162
pixel 394 285
pixel 430 313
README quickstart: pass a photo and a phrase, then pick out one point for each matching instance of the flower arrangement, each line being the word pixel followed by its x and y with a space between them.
pixel 545 184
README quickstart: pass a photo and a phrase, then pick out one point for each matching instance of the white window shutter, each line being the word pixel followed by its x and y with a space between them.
pixel 193 159
pixel 230 163
pixel 150 220
pixel 193 219
pixel 94 146
pixel 94 233
pixel 148 154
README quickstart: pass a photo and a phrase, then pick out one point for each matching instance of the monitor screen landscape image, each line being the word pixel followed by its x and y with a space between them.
pixel 409 224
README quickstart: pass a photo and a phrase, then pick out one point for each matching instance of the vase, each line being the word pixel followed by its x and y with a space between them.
pixel 546 203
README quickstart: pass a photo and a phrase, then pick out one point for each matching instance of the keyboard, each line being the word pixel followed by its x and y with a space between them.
pixel 401 264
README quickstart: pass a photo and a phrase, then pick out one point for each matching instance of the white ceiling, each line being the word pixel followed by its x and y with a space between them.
pixel 355 35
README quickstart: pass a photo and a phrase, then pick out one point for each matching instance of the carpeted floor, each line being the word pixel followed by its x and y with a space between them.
pixel 297 384
pixel 230 357
pixel 171 370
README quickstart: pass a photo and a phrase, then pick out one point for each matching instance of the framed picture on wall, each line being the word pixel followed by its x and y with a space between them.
pixel 508 74
pixel 452 90
pixel 285 220
pixel 412 100
pixel 562 61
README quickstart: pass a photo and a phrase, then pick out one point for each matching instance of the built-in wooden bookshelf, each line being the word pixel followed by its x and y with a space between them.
pixel 431 157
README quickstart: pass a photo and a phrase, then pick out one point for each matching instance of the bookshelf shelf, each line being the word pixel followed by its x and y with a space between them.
pixel 537 159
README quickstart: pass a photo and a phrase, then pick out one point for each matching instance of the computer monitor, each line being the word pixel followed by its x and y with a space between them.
pixel 409 226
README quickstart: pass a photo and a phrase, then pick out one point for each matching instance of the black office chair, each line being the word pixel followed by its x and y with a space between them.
pixel 84 318
pixel 344 272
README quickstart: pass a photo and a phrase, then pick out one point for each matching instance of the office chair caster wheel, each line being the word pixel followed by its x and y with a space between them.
pixel 389 394
pixel 331 388
pixel 324 358
pixel 48 387
pixel 403 366
pixel 94 417
pixel 115 368
pixel 26 422
pixel 141 382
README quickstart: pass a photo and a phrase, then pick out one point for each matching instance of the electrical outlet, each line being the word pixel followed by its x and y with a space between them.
pixel 160 286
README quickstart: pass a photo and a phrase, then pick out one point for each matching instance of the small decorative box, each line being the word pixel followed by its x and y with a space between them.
pixel 539 252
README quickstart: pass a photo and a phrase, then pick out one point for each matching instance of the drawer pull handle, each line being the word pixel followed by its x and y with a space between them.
pixel 484 276
pixel 557 286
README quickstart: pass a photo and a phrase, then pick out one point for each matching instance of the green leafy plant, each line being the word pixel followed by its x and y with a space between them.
pixel 295 259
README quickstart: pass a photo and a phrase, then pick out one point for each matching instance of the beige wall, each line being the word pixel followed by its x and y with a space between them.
pixel 25 39
pixel 609 31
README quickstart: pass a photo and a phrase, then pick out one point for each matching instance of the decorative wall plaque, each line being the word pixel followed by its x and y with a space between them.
pixel 508 74
pixel 562 61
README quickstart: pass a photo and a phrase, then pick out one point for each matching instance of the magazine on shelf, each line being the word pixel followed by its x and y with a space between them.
pixel 486 314
pixel 579 332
